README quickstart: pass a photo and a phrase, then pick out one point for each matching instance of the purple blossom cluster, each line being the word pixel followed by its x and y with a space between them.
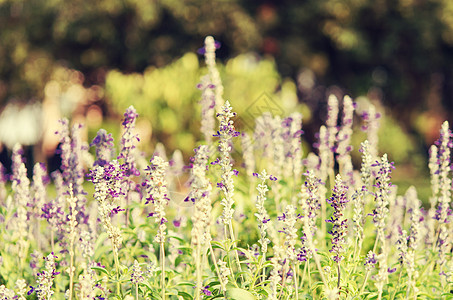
pixel 104 147
pixel 45 279
pixel 72 167
pixel 128 140
pixel 109 175
pixel 338 202
pixel 310 205
pixel 381 195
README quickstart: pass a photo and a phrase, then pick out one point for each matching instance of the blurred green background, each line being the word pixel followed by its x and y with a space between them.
pixel 90 60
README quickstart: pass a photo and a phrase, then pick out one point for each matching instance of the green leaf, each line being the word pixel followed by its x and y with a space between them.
pixel 185 295
pixel 186 283
pixel 239 294
pixel 101 270
pixel 217 245
pixel 214 283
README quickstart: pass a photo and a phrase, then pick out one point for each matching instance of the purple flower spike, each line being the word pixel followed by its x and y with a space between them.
pixel 206 291
pixel 338 202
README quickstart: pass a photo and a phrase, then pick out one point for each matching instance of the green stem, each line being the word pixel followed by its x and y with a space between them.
pixel 364 282
pixel 368 272
pixel 296 285
pixel 52 243
pixel 198 266
pixel 283 279
pixel 71 271
pixel 339 276
pixel 309 280
pixel 303 274
pixel 234 246
pixel 357 255
pixel 222 284
pixel 117 266
pixel 136 291
pixel 257 273
pixel 320 270
pixel 398 285
pixel 162 265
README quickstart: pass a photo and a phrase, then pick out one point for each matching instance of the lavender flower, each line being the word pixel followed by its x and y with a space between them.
pixel 40 180
pixel 156 187
pixel 443 211
pixel 225 134
pixel 275 278
pixel 401 246
pixel 65 150
pixel 309 202
pixel 371 119
pixel 46 277
pixel 54 214
pixel 86 244
pixel 208 103
pixel 87 283
pixel 325 154
pixel 201 189
pixel 6 294
pixel 205 290
pixel 433 199
pixel 107 181
pixel 210 47
pixel 137 273
pixel 370 260
pixel 366 169
pixel 71 156
pixel 261 215
pixel 21 288
pixel 338 202
pixel 72 232
pixel 327 138
pixel 72 165
pixel 128 140
pixel 344 139
pixel 397 209
pixel 35 260
pixel 413 206
pixel 277 162
pixel 104 147
pixel 127 155
pixel 381 196
pixel 382 275
pixel 224 272
pixel 293 143
pixel 21 188
pixel 414 237
pixel 289 219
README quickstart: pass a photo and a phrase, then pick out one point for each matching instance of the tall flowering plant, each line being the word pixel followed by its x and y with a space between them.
pixel 225 134
pixel 127 154
pixel 21 188
pixel 339 223
pixel 156 188
pixel 107 181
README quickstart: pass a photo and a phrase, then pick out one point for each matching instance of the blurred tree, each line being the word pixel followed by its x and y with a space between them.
pixel 37 36
pixel 401 50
